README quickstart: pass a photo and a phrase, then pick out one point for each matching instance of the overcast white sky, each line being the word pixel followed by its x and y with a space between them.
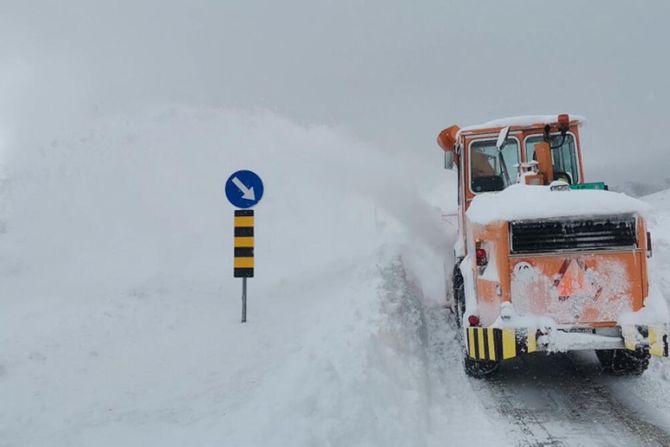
pixel 395 73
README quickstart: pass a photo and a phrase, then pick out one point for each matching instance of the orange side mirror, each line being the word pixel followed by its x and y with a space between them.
pixel 447 141
pixel 447 138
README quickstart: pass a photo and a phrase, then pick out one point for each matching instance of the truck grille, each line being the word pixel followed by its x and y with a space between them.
pixel 533 236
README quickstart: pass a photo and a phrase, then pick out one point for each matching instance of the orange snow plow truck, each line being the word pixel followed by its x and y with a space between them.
pixel 544 260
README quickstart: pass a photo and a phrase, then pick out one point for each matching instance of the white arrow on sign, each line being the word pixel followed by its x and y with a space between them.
pixel 247 193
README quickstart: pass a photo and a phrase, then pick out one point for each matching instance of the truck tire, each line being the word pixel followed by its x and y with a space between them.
pixel 480 369
pixel 459 295
pixel 624 362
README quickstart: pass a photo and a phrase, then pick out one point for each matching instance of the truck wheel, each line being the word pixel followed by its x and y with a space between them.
pixel 622 361
pixel 459 295
pixel 480 369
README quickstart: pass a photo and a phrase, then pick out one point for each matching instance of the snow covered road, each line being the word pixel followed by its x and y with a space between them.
pixel 565 400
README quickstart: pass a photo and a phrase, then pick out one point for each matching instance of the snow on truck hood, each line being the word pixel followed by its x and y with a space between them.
pixel 519 202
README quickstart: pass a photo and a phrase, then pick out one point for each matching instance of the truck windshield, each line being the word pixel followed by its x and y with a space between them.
pixel 486 171
pixel 564 157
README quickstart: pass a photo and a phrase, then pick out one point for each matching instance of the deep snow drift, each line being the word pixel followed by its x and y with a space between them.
pixel 659 265
pixel 120 321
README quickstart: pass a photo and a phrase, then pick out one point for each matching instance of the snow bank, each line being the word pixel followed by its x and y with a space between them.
pixel 659 277
pixel 120 320
pixel 536 202
pixel 660 200
pixel 149 188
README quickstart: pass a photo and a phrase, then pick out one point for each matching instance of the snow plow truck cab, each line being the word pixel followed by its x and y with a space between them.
pixel 544 260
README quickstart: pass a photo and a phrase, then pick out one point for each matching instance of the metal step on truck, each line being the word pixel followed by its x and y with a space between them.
pixel 544 261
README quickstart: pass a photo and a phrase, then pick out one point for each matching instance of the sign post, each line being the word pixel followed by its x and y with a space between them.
pixel 243 265
pixel 244 189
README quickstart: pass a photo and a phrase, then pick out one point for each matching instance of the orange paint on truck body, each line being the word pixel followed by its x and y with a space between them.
pixel 590 288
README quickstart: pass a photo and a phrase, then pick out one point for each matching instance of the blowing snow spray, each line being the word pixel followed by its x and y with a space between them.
pixel 244 189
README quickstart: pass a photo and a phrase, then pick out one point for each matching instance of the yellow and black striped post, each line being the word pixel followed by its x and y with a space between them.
pixel 243 264
pixel 244 244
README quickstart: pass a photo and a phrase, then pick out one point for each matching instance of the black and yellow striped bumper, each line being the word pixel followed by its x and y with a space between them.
pixel 499 344
pixel 653 337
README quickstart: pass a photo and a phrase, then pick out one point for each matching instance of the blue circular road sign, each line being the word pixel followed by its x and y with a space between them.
pixel 244 189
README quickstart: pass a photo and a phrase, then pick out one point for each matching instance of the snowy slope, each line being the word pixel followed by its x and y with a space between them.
pixel 120 321
pixel 660 233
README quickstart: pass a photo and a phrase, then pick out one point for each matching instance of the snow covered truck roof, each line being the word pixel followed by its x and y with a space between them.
pixel 521 122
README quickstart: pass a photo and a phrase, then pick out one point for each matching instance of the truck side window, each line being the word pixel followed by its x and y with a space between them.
pixel 564 158
pixel 486 171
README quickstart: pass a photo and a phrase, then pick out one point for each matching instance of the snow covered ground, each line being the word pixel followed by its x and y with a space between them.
pixel 120 316
pixel 120 319
pixel 660 268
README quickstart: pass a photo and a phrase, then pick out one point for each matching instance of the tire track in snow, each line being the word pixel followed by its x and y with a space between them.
pixel 559 400
pixel 633 421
